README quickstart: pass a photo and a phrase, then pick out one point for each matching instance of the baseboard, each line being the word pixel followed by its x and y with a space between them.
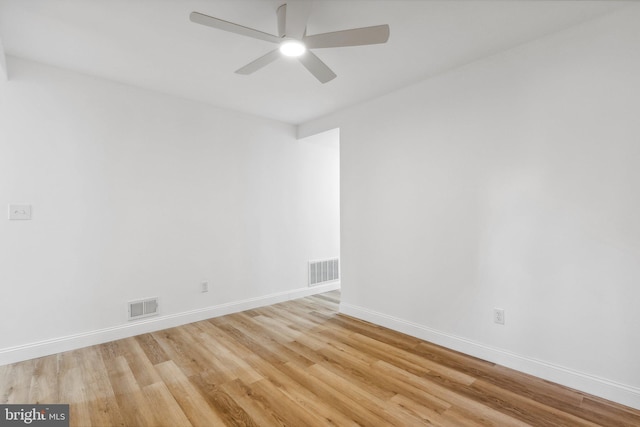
pixel 607 389
pixel 72 342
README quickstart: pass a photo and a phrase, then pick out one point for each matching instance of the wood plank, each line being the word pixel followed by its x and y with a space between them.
pixel 365 373
pixel 194 406
pixel 132 403
pixel 428 415
pixel 270 395
pixel 334 397
pixel 43 387
pixel 520 406
pixel 455 399
pixel 398 356
pixel 152 349
pixel 262 341
pixel 607 413
pixel 101 401
pixel 226 406
pixel 305 398
pixel 164 406
pixel 139 363
pixel 370 402
pixel 16 383
pixel 185 351
pixel 260 414
pixel 225 357
pixel 72 388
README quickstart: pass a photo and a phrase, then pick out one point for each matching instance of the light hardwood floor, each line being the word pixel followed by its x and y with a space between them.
pixel 297 363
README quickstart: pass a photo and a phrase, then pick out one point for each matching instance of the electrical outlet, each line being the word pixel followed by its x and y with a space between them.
pixel 498 316
pixel 204 287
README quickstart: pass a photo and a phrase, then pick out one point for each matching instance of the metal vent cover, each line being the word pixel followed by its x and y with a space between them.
pixel 323 271
pixel 142 308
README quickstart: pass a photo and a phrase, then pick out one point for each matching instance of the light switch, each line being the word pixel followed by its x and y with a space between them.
pixel 19 212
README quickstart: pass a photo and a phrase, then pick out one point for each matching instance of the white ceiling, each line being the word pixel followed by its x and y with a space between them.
pixel 152 44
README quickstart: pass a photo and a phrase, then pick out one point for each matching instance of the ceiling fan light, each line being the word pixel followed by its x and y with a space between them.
pixel 293 48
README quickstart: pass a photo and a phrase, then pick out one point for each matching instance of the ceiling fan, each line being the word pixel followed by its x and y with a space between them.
pixel 293 40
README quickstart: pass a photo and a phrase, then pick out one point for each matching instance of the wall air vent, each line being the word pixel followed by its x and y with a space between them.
pixel 143 308
pixel 323 271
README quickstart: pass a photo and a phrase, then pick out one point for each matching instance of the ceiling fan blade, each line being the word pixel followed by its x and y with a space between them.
pixel 297 15
pixel 263 61
pixel 355 37
pixel 210 21
pixel 316 67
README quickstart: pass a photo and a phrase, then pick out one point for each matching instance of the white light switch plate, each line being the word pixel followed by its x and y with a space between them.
pixel 19 212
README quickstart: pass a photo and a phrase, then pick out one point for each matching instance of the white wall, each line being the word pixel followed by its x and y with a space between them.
pixel 513 182
pixel 137 194
pixel 3 63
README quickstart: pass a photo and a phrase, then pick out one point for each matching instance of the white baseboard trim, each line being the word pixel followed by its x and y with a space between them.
pixel 71 342
pixel 597 386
